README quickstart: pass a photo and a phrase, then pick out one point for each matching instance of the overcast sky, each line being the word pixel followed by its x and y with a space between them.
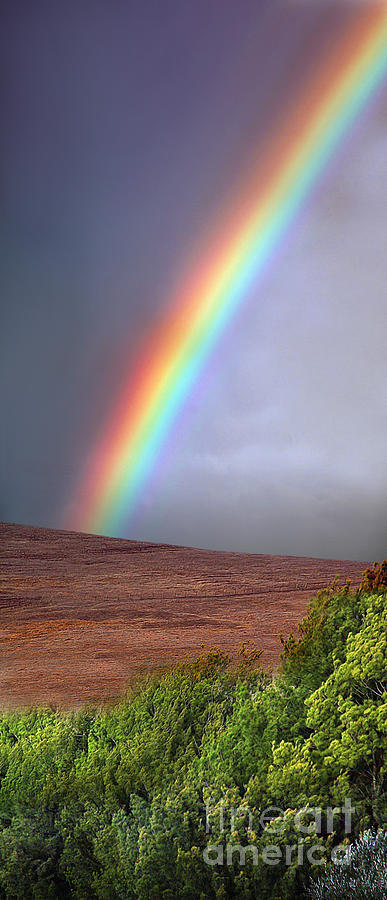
pixel 126 124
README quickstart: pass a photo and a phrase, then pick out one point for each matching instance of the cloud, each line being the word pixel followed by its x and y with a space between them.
pixel 125 133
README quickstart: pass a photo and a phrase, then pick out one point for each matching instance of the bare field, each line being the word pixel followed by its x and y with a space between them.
pixel 81 615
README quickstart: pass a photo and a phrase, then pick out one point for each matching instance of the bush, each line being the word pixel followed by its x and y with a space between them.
pixel 362 874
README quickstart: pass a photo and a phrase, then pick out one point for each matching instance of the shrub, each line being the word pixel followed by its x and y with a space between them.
pixel 362 875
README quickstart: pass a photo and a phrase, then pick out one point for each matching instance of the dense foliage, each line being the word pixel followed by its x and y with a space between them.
pixel 122 801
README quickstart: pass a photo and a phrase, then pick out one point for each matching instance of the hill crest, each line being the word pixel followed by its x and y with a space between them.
pixel 81 615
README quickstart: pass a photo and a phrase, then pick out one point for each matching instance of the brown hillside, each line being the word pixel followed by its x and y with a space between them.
pixel 80 615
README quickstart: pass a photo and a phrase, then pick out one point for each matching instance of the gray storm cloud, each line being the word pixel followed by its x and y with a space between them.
pixel 124 132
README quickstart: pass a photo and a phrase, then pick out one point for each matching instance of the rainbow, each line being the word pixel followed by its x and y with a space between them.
pixel 176 351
